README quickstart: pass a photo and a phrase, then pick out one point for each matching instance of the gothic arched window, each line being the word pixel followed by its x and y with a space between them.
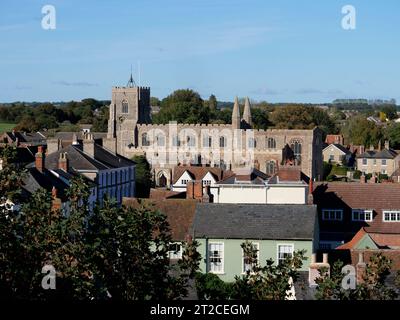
pixel 191 141
pixel 145 140
pixel 252 143
pixel 296 147
pixel 271 143
pixel 271 167
pixel 222 142
pixel 160 140
pixel 125 106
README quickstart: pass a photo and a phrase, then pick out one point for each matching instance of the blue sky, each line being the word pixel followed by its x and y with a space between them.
pixel 278 51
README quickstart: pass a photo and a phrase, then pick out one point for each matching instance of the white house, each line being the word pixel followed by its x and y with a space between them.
pixel 253 187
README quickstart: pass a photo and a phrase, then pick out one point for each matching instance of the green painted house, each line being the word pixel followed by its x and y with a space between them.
pixel 276 231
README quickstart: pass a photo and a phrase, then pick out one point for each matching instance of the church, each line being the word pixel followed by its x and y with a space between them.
pixel 228 146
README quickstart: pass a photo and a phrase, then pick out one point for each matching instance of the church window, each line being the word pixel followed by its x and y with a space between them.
pixel 296 147
pixel 271 143
pixel 125 107
pixel 145 140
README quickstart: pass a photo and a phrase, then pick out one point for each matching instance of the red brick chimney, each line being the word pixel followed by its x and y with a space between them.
pixel 63 162
pixel 310 198
pixel 190 190
pixel 194 190
pixel 56 203
pixel 39 159
pixel 360 268
pixel 373 178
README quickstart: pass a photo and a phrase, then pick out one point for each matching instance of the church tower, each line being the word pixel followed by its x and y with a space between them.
pixel 236 115
pixel 247 123
pixel 130 105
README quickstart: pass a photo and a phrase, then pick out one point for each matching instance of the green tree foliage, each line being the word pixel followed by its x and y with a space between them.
pixel 143 177
pixel 110 253
pixel 360 131
pixel 130 251
pixel 183 106
pixel 210 287
pixel 154 101
pixel 302 117
pixel 260 118
pixel 372 287
pixel 212 102
pixel 39 116
pixel 392 133
pixel 269 282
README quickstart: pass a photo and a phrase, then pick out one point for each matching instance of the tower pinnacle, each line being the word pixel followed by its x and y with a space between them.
pixel 236 115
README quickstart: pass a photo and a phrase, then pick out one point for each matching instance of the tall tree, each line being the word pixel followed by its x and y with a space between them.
pixel 212 102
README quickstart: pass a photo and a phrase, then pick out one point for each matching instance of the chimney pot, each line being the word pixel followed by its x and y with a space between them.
pixel 325 258
pixel 39 159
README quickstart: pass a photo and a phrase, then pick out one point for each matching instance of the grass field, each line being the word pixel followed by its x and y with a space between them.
pixel 6 126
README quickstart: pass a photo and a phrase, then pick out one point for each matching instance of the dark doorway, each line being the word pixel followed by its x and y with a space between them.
pixel 162 182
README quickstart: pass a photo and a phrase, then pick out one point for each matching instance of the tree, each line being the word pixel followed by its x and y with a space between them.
pixel 302 117
pixel 154 101
pixel 260 118
pixel 212 102
pixel 359 131
pixel 269 282
pixel 392 133
pixel 183 106
pixel 143 176
pixel 130 250
pixel 372 286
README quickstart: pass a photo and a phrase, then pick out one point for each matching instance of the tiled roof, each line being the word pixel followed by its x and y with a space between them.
pixel 232 221
pixel 180 214
pixel 245 175
pixel 348 196
pixel 340 147
pixel 198 173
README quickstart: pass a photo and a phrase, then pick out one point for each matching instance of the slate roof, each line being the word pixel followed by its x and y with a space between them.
pixel 23 155
pixel 376 154
pixel 27 137
pixel 35 179
pixel 78 160
pixel 275 222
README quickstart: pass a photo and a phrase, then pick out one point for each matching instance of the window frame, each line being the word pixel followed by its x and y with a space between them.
pixel 222 257
pixel 175 255
pixel 364 212
pixel 281 245
pixel 390 212
pixel 326 210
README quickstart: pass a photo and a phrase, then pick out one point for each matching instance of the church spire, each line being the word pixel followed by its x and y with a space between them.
pixel 247 112
pixel 236 115
pixel 131 82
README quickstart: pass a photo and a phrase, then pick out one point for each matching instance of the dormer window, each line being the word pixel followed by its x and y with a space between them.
pixel 332 214
pixel 362 215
